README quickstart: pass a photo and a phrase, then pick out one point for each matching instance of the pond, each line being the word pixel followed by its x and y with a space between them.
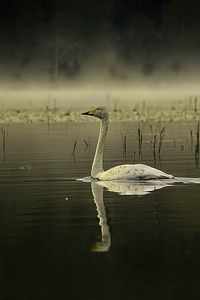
pixel 68 239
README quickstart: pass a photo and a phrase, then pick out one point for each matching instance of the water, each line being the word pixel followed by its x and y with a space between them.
pixel 67 239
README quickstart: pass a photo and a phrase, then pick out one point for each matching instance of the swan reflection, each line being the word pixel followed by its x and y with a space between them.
pixel 122 188
pixel 136 188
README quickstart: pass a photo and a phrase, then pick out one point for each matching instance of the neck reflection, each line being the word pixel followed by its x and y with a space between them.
pixel 105 243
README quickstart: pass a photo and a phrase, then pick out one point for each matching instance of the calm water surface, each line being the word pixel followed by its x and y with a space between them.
pixel 66 239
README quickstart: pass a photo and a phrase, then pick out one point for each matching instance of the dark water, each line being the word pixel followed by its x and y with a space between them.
pixel 51 243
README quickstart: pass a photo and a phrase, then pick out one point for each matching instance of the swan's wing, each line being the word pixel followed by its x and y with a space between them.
pixel 131 172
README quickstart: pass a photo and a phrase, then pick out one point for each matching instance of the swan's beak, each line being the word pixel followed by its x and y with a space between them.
pixel 85 113
pixel 90 112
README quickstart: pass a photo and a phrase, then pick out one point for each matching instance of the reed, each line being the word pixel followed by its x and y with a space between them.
pixel 86 144
pixel 4 134
pixel 153 142
pixel 151 129
pixel 140 139
pixel 191 139
pixel 74 147
pixel 195 105
pixel 197 145
pixel 161 139
pixel 124 144
pixel 47 116
pixel 154 147
pixel 74 152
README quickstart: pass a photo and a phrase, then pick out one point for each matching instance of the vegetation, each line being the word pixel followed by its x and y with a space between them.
pixel 182 110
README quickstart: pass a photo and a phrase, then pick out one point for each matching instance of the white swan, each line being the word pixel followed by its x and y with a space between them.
pixel 121 172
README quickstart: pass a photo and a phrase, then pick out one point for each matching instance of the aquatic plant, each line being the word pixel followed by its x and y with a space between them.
pixel 140 138
pixel 48 116
pixel 197 145
pixel 86 144
pixel 74 147
pixel 181 109
pixel 161 139
pixel 191 139
pixel 123 139
pixel 4 134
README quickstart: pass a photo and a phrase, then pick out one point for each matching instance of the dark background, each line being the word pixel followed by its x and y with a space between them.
pixel 61 39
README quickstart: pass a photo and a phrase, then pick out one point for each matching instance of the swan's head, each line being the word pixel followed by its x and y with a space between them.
pixel 99 112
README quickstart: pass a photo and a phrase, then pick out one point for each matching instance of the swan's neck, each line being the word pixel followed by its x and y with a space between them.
pixel 97 165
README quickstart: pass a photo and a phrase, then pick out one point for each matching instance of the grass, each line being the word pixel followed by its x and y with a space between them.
pixel 187 110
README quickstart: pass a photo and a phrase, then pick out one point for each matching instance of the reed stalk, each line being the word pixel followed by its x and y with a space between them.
pixel 161 139
pixel 140 139
pixel 197 145
pixel 124 144
pixel 4 134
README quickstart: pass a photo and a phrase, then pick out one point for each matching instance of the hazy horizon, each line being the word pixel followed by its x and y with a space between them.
pixel 74 96
pixel 91 52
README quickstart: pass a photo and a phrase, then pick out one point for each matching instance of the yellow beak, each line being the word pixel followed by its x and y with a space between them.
pixel 90 112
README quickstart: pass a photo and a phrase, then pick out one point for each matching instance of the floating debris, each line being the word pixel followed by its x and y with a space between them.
pixel 26 168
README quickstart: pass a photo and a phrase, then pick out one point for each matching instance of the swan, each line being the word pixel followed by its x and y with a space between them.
pixel 121 172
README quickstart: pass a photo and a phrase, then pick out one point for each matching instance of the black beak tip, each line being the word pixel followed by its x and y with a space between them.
pixel 85 113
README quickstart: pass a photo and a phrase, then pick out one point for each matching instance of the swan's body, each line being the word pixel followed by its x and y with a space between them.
pixel 121 172
pixel 132 172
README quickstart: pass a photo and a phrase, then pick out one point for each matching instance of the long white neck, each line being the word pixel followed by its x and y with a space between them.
pixel 97 165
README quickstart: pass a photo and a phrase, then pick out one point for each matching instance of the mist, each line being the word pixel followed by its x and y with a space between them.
pixel 91 52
